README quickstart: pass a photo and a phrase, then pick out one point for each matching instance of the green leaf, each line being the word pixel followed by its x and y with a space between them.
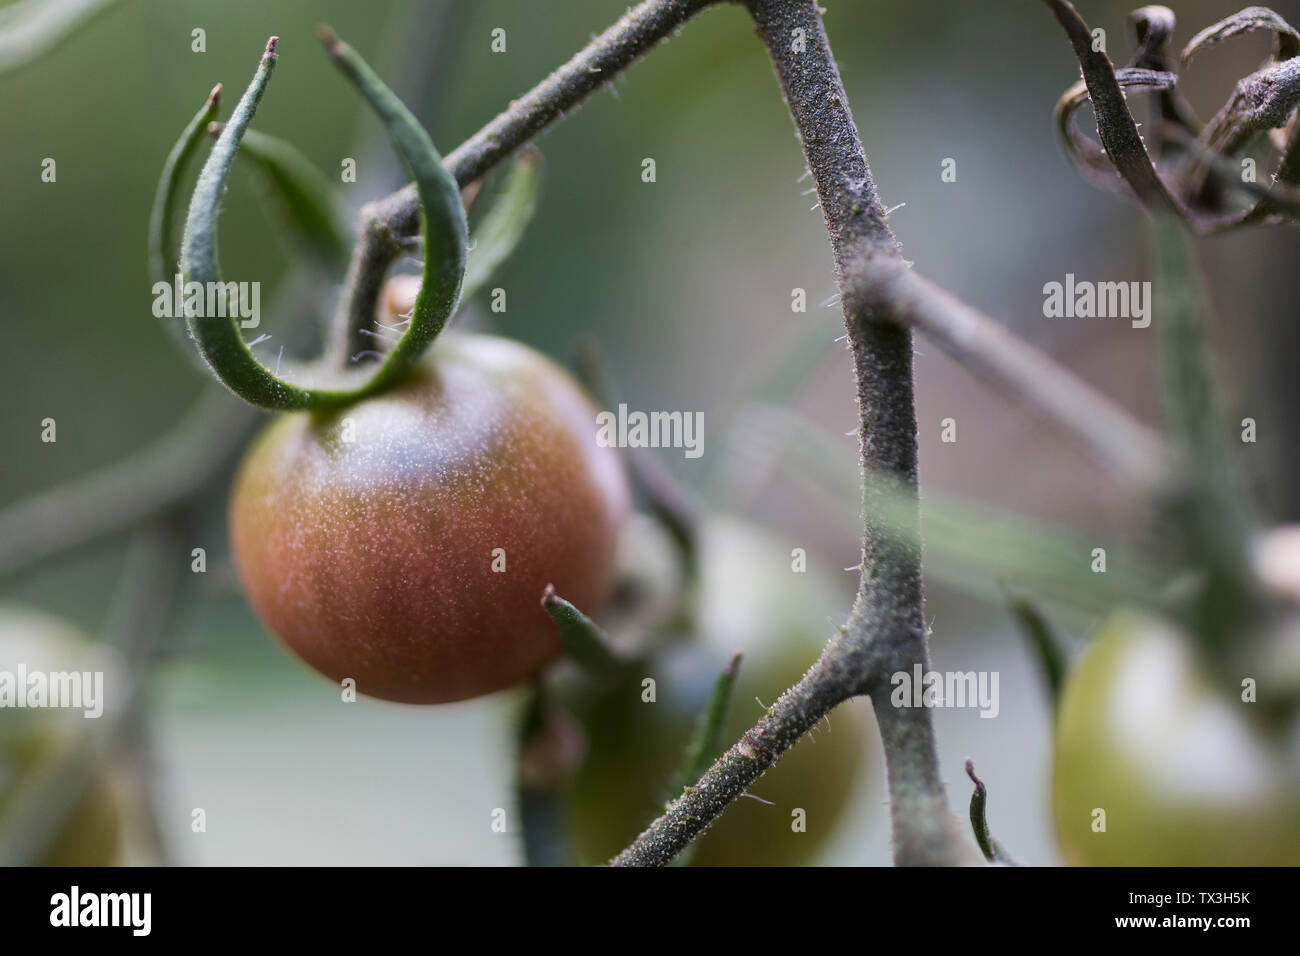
pixel 501 229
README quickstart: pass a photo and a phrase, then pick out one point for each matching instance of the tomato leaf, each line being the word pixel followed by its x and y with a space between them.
pixel 501 229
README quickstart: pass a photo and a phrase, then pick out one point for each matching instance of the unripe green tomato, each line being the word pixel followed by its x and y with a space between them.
pixel 1184 772
pixel 750 600
pixel 92 831
pixel 405 541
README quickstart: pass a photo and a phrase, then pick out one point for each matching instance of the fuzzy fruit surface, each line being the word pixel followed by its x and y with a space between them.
pixel 1185 774
pixel 92 829
pixel 749 599
pixel 405 541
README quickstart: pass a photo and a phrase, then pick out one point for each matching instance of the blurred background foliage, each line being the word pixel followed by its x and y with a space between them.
pixel 686 285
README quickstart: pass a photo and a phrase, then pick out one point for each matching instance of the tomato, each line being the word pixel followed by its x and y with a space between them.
pixel 91 834
pixel 749 600
pixel 397 298
pixel 405 541
pixel 1187 773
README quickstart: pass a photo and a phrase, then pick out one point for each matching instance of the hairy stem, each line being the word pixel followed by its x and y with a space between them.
pixel 881 301
pixel 885 632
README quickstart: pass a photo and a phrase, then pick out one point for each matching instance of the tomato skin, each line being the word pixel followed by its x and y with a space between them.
pixel 372 558
pixel 749 600
pixel 92 831
pixel 1184 775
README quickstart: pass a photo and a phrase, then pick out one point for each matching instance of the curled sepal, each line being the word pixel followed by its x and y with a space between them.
pixel 443 230
pixel 1154 27
pixel 162 262
pixel 1084 153
pixel 442 223
pixel 1286 40
pixel 583 640
pixel 501 229
pixel 1115 124
pixel 300 193
pixel 993 850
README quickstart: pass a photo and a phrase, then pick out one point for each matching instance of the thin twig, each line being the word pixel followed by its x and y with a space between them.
pixel 143 484
pixel 152 479
pixel 386 221
pixel 640 29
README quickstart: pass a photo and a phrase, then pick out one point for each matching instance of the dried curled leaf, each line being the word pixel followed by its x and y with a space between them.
pixel 1262 101
pixel 1084 152
pixel 1286 40
pixel 1190 168
pixel 1116 127
pixel 1154 26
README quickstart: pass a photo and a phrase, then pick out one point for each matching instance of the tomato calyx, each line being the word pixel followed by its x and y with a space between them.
pixel 443 236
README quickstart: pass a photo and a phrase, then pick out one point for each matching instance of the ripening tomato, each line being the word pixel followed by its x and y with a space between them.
pixel 92 831
pixel 749 599
pixel 1185 772
pixel 405 541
